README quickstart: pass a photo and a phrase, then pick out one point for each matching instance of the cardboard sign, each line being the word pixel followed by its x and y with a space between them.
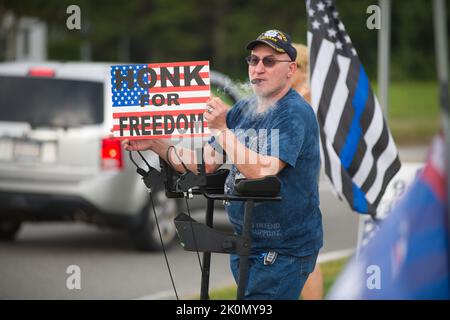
pixel 160 100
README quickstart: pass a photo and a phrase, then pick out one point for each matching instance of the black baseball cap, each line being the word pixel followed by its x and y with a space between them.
pixel 277 40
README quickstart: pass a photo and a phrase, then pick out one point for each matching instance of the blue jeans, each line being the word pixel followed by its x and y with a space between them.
pixel 282 280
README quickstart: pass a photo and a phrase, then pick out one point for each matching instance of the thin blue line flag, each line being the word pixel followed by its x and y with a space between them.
pixel 357 149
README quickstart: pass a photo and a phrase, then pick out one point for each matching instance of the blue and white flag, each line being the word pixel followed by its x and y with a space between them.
pixel 357 149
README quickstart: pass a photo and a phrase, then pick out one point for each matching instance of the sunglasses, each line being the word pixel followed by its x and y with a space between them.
pixel 268 61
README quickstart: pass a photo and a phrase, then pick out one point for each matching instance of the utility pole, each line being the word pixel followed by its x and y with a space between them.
pixel 440 34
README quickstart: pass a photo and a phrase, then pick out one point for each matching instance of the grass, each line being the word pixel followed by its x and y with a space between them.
pixel 414 112
pixel 330 271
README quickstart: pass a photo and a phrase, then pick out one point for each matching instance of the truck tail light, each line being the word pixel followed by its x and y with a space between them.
pixel 112 155
pixel 41 72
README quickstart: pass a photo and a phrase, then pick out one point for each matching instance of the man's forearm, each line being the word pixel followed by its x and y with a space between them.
pixel 250 163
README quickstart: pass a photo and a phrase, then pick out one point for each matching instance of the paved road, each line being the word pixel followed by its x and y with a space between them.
pixel 34 267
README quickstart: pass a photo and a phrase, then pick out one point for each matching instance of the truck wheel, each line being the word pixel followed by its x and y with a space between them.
pixel 9 230
pixel 145 233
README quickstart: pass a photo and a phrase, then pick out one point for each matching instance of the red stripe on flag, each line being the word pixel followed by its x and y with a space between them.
pixel 203 75
pixel 433 173
pixel 170 89
pixel 117 115
pixel 187 100
pixel 150 127
pixel 178 64
pixel 435 180
pixel 167 136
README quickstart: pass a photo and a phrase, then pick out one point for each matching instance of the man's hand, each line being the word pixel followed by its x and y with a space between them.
pixel 138 145
pixel 216 113
pixel 135 145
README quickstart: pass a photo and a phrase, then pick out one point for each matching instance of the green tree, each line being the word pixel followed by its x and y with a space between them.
pixel 218 30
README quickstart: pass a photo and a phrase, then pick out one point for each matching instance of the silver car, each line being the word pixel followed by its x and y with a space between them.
pixel 57 162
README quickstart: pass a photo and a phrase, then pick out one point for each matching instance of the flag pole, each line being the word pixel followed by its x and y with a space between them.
pixel 440 32
pixel 384 39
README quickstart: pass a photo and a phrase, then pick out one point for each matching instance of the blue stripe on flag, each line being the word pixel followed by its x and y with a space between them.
pixel 359 102
pixel 359 199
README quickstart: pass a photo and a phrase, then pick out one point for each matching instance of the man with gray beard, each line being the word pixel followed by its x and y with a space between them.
pixel 286 235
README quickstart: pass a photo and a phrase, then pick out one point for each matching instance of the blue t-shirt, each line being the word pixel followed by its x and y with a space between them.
pixel 288 131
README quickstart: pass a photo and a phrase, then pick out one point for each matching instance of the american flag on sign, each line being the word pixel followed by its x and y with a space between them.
pixel 357 149
pixel 160 100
